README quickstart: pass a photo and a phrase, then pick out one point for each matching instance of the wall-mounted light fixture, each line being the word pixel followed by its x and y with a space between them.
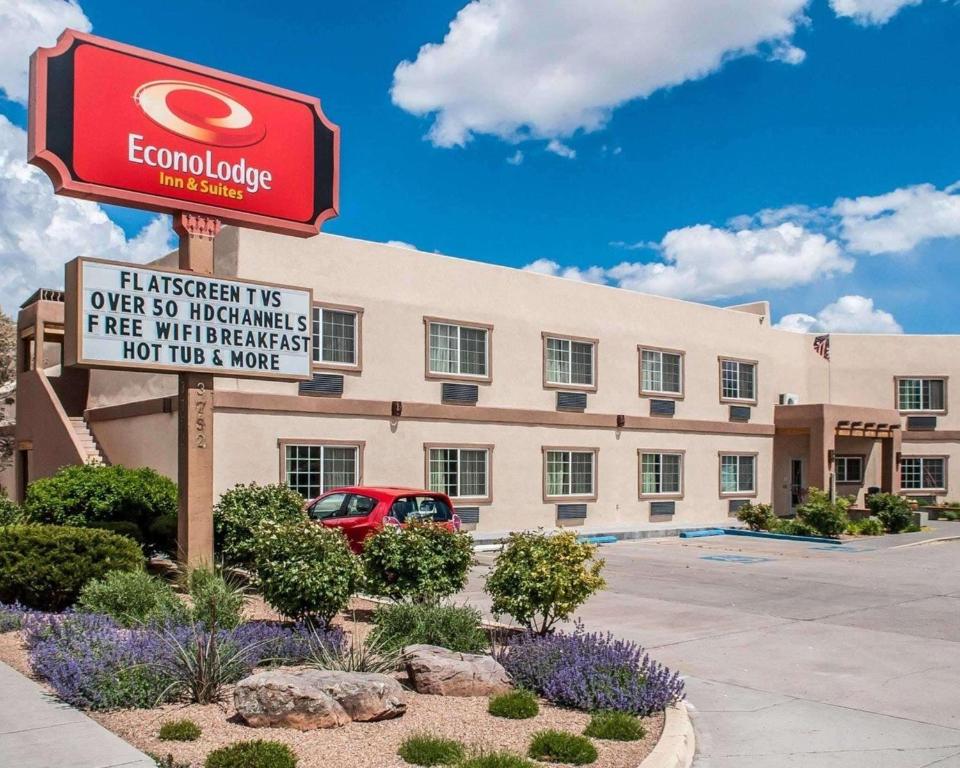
pixel 396 409
pixel 621 421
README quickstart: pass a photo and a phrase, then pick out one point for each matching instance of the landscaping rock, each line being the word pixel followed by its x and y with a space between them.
pixel 365 696
pixel 442 672
pixel 281 699
pixel 313 698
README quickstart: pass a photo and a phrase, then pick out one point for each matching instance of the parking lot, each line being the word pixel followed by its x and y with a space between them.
pixel 799 654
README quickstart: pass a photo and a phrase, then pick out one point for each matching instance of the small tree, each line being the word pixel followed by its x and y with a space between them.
pixel 894 511
pixel 8 366
pixel 423 562
pixel 541 579
pixel 826 517
pixel 305 571
pixel 758 517
pixel 241 510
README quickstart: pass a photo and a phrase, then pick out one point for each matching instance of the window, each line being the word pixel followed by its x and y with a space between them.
pixel 569 362
pixel 457 350
pixel 923 473
pixel 336 336
pixel 661 372
pixel 921 394
pixel 314 468
pixel 461 473
pixel 738 473
pixel 848 469
pixel 569 473
pixel 661 474
pixel 424 508
pixel 738 380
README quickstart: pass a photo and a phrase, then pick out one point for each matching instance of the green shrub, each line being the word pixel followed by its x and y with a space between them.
pixel 794 527
pixel 424 749
pixel 892 510
pixel 952 515
pixel 356 655
pixel 560 747
pixel 132 598
pixel 541 579
pixel 454 627
pixel 252 754
pixel 166 762
pixel 121 528
pixel 615 726
pixel 45 566
pixel 758 517
pixel 869 526
pixel 241 510
pixel 516 705
pixel 179 730
pixel 217 600
pixel 912 528
pixel 496 760
pixel 88 495
pixel 422 562
pixel 305 571
pixel 10 512
pixel 826 517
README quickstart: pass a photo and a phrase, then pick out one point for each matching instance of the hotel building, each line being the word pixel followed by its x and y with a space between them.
pixel 529 399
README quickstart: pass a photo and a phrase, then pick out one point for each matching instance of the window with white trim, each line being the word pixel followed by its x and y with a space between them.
pixel 738 380
pixel 917 394
pixel 848 469
pixel 569 361
pixel 738 473
pixel 312 469
pixel 661 372
pixel 661 474
pixel 458 350
pixel 335 336
pixel 461 473
pixel 570 473
pixel 923 473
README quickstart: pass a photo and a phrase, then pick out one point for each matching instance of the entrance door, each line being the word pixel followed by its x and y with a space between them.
pixel 798 484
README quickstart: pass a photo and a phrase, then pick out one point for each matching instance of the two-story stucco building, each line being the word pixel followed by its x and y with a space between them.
pixel 531 400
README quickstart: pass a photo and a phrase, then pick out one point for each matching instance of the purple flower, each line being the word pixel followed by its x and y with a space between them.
pixel 591 672
pixel 93 663
pixel 11 616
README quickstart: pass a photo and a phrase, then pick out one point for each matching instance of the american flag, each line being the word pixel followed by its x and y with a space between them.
pixel 821 345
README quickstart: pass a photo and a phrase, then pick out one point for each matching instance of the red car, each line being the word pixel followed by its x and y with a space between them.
pixel 360 511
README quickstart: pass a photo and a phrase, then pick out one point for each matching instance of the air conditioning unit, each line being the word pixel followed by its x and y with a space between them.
pixel 788 398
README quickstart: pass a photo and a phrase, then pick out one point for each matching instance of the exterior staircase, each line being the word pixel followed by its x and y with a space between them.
pixel 94 454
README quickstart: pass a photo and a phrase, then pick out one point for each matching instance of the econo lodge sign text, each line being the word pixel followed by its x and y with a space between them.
pixel 117 124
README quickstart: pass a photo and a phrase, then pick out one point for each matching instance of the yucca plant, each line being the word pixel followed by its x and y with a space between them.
pixel 370 655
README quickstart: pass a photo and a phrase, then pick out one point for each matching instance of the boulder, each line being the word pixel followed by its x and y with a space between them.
pixel 313 698
pixel 280 699
pixel 442 672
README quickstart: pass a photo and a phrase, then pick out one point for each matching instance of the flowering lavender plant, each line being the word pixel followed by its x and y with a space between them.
pixel 94 663
pixel 11 616
pixel 591 672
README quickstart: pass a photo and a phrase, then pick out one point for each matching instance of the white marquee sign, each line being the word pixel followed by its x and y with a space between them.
pixel 125 316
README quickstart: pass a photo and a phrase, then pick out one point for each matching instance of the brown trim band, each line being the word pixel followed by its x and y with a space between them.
pixel 132 409
pixel 938 436
pixel 264 403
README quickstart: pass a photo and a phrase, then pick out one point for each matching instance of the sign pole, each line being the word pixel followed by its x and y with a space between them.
pixel 195 414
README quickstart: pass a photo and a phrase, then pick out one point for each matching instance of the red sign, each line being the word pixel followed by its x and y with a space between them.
pixel 117 124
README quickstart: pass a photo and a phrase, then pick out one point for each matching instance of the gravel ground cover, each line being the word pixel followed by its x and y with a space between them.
pixel 356 745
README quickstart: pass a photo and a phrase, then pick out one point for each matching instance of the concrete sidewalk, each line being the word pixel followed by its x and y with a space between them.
pixel 37 731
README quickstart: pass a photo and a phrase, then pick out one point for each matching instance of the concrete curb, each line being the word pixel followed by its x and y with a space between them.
pixel 925 541
pixel 678 742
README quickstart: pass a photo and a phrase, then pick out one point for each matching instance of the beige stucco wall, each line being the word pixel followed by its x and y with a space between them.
pixel 247 449
pixel 141 441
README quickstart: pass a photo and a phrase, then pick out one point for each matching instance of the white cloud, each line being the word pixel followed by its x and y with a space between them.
pixel 40 231
pixel 549 68
pixel 26 25
pixel 870 12
pixel 706 262
pixel 900 220
pixel 550 267
pixel 516 158
pixel 401 244
pixel 561 149
pixel 788 53
pixel 848 314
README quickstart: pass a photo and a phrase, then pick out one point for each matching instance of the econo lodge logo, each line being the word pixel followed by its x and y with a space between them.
pixel 199 113
pixel 208 116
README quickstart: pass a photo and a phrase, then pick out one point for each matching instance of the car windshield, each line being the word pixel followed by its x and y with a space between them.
pixel 429 508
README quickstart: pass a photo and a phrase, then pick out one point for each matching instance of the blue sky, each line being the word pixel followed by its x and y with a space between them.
pixel 870 109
